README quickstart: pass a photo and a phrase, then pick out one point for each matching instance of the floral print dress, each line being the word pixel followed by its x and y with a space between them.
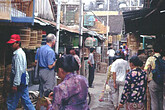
pixel 135 87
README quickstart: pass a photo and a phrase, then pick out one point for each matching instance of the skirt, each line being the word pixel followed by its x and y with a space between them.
pixel 135 106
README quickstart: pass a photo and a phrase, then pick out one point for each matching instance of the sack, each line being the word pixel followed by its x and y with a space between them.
pixel 35 77
pixel 159 71
pixel 23 78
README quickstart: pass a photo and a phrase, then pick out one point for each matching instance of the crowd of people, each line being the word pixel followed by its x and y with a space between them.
pixel 70 94
pixel 127 78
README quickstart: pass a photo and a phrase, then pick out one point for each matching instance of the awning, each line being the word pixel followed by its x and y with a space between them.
pixel 62 27
pixel 145 21
pixel 73 29
pixel 40 22
pixel 76 27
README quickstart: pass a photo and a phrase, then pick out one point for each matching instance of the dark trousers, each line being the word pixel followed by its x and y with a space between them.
pixel 91 75
pixel 111 60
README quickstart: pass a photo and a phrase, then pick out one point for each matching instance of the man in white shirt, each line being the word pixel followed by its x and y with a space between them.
pixel 119 69
pixel 19 78
pixel 111 54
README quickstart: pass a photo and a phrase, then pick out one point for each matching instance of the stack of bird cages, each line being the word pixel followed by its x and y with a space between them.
pixel 133 43
pixel 33 39
pixel 4 84
pixel 1 93
pixel 7 78
pixel 39 38
pixel 2 69
pixel 97 57
pixel 25 37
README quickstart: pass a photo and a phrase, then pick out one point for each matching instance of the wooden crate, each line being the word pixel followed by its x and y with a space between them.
pixel 25 37
pixel 31 47
pixel 26 31
pixel 24 43
pixel 2 68
pixel 103 67
pixel 39 38
pixel 86 52
pixel 39 35
pixel 38 43
pixel 97 57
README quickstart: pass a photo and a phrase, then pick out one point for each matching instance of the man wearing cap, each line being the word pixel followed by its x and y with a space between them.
pixel 46 59
pixel 19 77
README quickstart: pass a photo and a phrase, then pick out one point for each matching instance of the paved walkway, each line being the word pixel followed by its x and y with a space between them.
pixel 95 92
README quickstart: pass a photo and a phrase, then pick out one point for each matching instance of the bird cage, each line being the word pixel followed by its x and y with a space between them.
pixel 89 42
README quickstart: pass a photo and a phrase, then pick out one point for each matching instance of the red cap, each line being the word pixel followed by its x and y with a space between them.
pixel 14 38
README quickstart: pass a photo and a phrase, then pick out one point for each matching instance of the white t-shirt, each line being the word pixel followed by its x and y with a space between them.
pixel 120 66
pixel 91 58
pixel 111 53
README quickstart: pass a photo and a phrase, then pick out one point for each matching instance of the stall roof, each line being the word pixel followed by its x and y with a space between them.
pixel 41 23
pixel 74 29
pixel 149 21
pixel 63 27
pixel 85 30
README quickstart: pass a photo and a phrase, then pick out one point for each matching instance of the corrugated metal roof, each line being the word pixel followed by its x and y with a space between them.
pixel 146 21
pixel 73 29
pixel 63 27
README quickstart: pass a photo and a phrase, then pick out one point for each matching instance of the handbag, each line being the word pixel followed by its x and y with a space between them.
pixel 35 79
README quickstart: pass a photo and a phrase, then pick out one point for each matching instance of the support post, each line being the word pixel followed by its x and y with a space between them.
pixel 81 37
pixel 58 26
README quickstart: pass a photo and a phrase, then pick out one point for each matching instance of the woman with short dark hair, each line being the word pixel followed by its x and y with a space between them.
pixel 134 93
pixel 71 93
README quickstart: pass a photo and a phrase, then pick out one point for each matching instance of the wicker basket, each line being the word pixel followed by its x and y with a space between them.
pixel 33 40
pixel 39 35
pixel 25 43
pixel 25 37
pixel 32 47
pixel 25 31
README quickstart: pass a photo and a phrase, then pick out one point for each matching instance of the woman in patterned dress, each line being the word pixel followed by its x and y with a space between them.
pixel 71 93
pixel 134 94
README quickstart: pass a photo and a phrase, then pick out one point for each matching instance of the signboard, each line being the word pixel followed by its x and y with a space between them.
pixel 109 39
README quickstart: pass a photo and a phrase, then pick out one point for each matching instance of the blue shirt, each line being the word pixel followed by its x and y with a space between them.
pixel 19 66
pixel 46 56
